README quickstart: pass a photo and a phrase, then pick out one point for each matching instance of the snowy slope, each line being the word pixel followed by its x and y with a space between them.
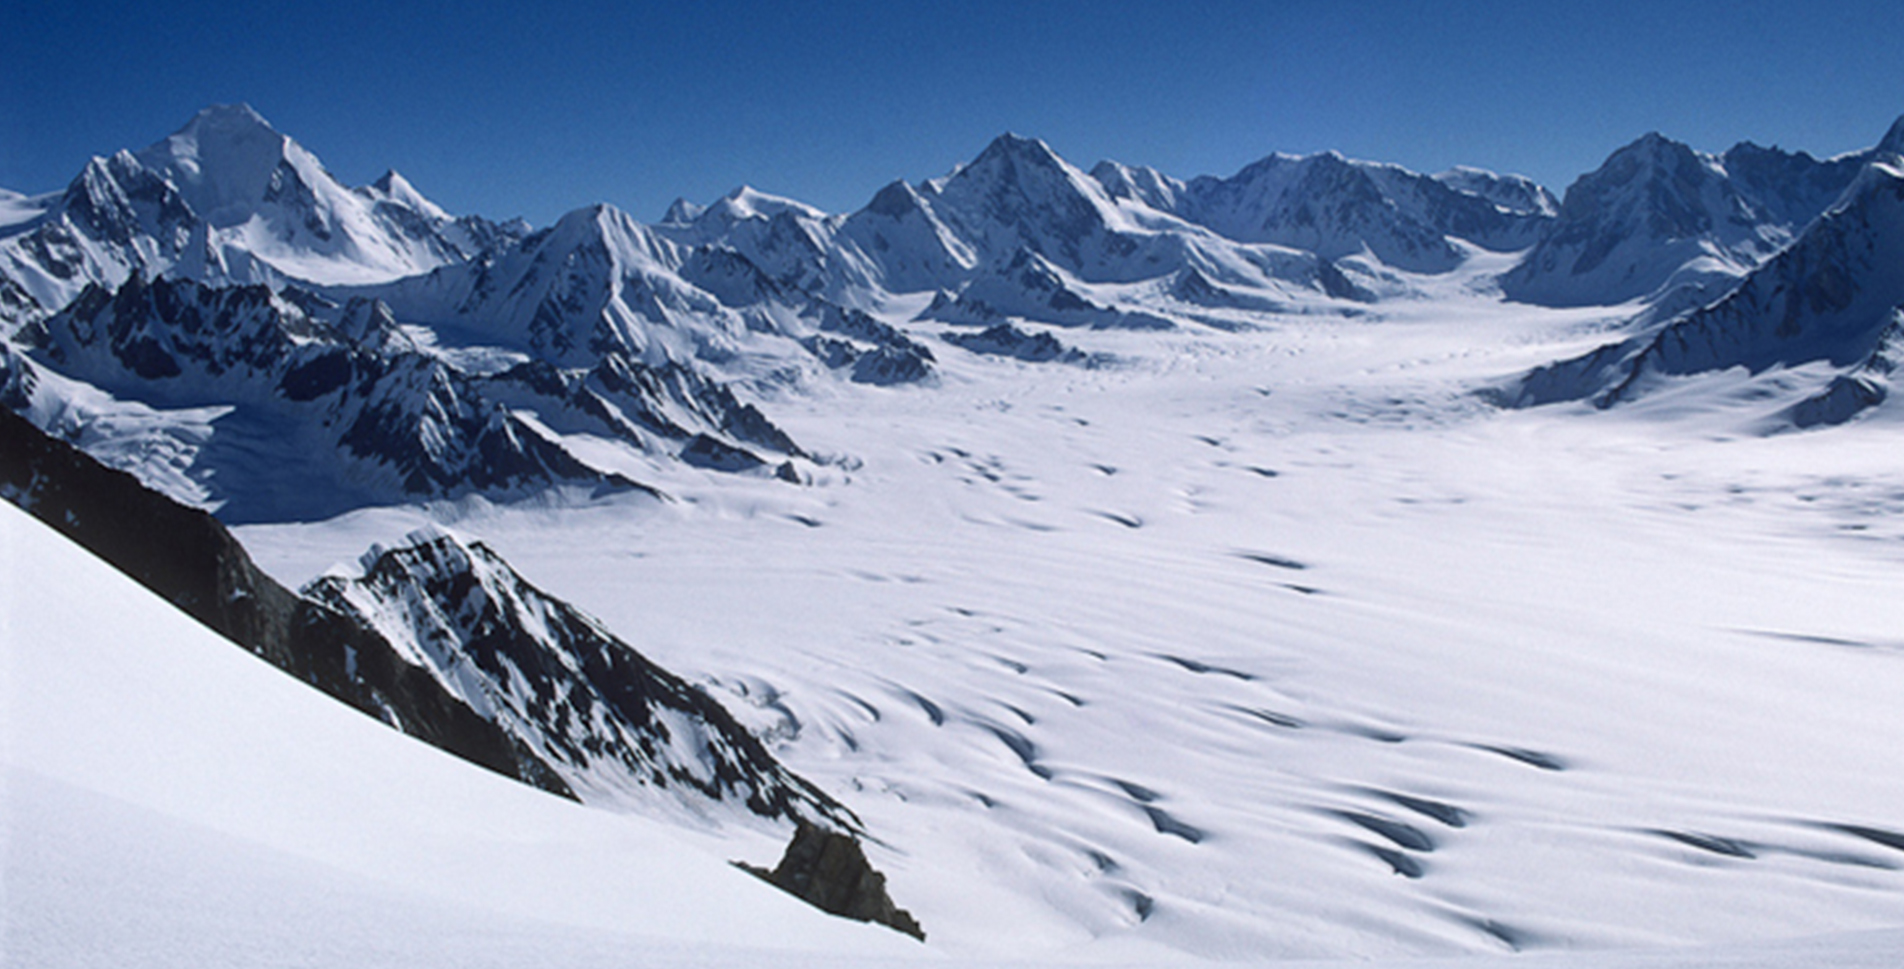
pixel 225 814
pixel 1830 298
pixel 1277 643
pixel 1676 226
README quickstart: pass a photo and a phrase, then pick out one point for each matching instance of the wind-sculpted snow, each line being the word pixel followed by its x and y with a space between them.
pixel 1156 585
pixel 619 730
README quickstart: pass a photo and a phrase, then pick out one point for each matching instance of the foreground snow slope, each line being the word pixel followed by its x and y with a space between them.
pixel 171 800
pixel 1279 644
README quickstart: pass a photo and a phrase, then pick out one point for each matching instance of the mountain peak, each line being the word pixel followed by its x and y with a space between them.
pixel 393 187
pixel 1017 147
pixel 747 202
pixel 222 160
pixel 682 212
pixel 1893 141
pixel 229 116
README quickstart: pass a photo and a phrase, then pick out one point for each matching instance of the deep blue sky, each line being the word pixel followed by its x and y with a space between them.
pixel 532 109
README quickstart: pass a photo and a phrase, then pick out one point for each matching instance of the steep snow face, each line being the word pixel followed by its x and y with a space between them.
pixel 904 242
pixel 1830 296
pixel 1336 207
pixel 1019 195
pixel 227 199
pixel 621 731
pixel 1516 194
pixel 596 282
pixel 1662 221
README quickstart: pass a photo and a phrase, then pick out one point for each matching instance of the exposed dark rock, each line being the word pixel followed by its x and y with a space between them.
pixel 830 871
pixel 188 558
pixel 605 718
pixel 703 451
pixel 1006 340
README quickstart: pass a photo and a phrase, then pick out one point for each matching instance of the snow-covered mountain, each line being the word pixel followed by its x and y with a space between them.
pixel 1155 586
pixel 1832 295
pixel 1335 207
pixel 1676 226
pixel 359 410
pixel 227 199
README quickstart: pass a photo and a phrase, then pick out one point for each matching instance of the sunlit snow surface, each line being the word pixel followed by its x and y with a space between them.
pixel 1279 643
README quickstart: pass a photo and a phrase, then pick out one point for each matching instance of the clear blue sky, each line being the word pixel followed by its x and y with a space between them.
pixel 531 109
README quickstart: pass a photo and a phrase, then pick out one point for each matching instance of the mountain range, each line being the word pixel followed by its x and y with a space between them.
pixel 438 355
pixel 214 331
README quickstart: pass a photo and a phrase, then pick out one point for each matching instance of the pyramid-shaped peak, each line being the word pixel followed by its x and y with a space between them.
pixel 681 212
pixel 393 187
pixel 228 117
pixel 224 159
pixel 1893 141
pixel 1655 145
pixel 896 199
pixel 1016 147
pixel 392 183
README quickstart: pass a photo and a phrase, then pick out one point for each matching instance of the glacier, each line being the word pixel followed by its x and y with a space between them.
pixel 1326 562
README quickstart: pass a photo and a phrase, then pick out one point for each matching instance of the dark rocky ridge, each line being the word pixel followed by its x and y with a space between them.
pixel 188 558
pixel 599 713
pixel 830 871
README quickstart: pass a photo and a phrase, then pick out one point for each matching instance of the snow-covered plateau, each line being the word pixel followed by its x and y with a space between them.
pixel 1157 571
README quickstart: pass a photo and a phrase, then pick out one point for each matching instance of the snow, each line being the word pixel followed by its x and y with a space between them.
pixel 223 812
pixel 1174 629
pixel 17 211
pixel 1261 637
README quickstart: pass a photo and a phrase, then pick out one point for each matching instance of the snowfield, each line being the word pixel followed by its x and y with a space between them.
pixel 1281 644
pixel 1162 571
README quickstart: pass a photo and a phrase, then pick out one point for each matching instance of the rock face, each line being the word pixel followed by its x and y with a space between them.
pixel 1006 340
pixel 187 557
pixel 830 870
pixel 618 729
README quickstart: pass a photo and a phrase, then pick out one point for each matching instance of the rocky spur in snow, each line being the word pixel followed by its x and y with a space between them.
pixel 438 638
pixel 618 729
pixel 1006 340
pixel 189 559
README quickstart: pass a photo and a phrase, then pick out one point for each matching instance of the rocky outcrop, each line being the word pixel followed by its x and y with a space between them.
pixel 188 558
pixel 620 730
pixel 830 871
